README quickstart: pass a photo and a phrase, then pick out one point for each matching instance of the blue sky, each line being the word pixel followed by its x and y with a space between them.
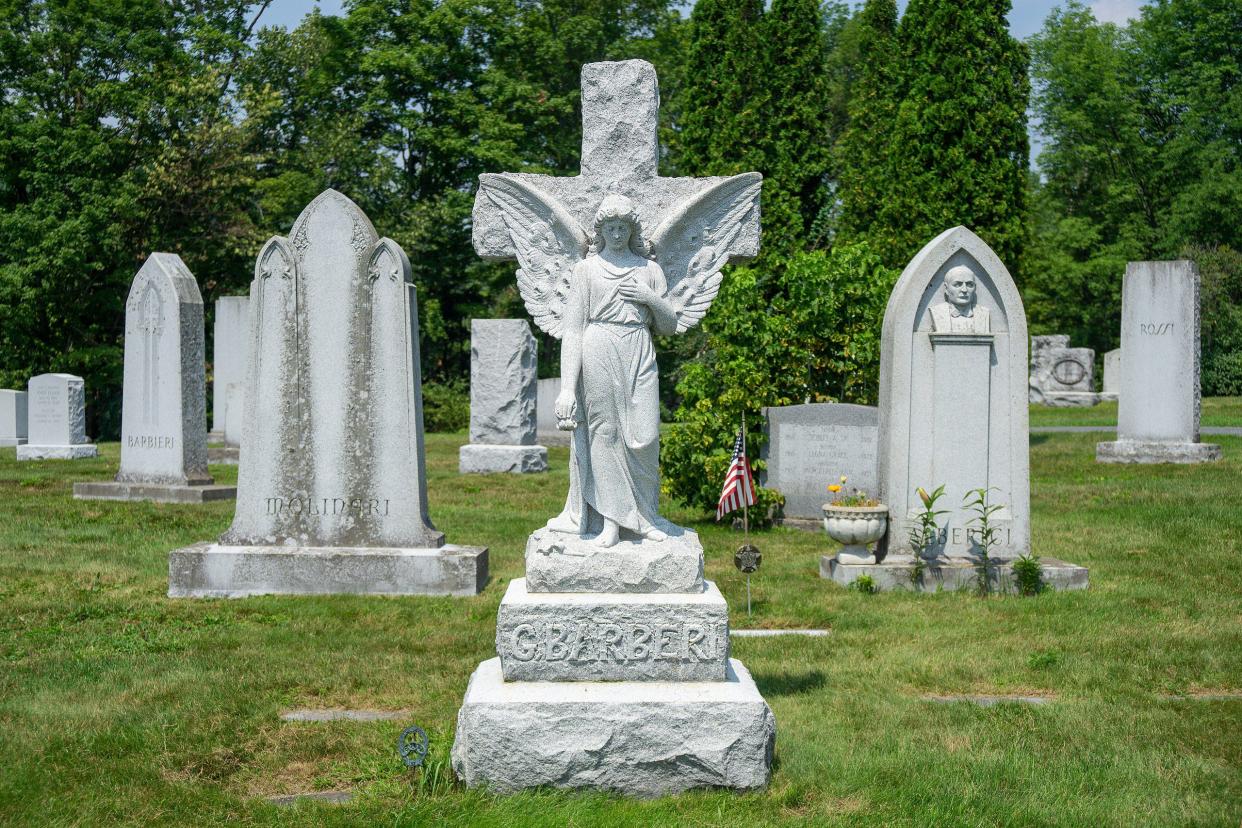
pixel 1026 18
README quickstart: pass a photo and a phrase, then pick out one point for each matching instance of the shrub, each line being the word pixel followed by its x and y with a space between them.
pixel 446 405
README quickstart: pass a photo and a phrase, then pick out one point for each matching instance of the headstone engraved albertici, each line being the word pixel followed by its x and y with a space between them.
pixel 613 670
pixel 332 486
pixel 14 426
pixel 953 411
pixel 163 402
pixel 503 395
pixel 812 445
pixel 56 419
pixel 1158 407
pixel 1061 376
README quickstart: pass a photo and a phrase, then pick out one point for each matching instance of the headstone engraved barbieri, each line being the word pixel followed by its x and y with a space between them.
pixel 1158 405
pixel 163 401
pixel 811 446
pixel 953 412
pixel 332 491
pixel 503 392
pixel 56 419
pixel 13 422
pixel 614 647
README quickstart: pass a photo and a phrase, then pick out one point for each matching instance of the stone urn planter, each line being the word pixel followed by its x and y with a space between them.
pixel 855 527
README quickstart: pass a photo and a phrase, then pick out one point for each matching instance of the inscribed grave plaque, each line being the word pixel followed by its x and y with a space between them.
pixel 810 446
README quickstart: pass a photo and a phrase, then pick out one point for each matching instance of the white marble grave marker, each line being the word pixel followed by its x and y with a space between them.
pixel 230 356
pixel 57 419
pixel 13 423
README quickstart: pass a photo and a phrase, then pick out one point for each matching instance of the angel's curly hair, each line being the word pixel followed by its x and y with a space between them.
pixel 616 206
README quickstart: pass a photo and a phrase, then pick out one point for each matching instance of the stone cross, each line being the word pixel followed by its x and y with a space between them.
pixel 620 154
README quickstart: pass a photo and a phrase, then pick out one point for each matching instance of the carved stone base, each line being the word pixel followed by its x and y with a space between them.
pixel 79 451
pixel 1071 399
pixel 948 574
pixel 566 562
pixel 152 492
pixel 223 455
pixel 575 636
pixel 639 738
pixel 210 570
pixel 1134 451
pixel 478 458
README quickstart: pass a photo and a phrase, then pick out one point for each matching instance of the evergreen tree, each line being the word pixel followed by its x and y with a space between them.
pixel 958 145
pixel 864 174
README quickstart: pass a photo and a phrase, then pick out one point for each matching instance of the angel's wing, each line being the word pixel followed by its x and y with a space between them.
pixel 693 243
pixel 548 240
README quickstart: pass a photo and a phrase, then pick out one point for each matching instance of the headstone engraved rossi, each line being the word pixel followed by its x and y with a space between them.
pixel 613 670
pixel 56 419
pixel 812 445
pixel 14 426
pixel 163 402
pixel 503 393
pixel 953 411
pixel 1158 408
pixel 333 415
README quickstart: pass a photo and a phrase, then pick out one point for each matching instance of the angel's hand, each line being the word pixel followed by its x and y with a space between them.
pixel 636 291
pixel 565 406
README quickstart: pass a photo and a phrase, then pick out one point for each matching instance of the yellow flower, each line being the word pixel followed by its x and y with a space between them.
pixel 843 479
pixel 834 488
pixel 924 496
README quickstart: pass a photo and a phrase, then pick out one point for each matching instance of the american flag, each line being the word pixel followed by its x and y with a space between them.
pixel 739 486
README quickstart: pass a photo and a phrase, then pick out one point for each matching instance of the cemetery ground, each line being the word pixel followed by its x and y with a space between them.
pixel 120 706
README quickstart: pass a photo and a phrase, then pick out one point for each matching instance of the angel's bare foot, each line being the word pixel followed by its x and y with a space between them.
pixel 561 523
pixel 654 534
pixel 609 536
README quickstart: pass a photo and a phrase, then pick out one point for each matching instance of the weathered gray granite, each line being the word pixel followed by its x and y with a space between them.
pixel 564 562
pixel 1061 376
pixel 163 403
pixel 1112 372
pixel 607 259
pixel 811 446
pixel 230 354
pixel 14 429
pixel 546 432
pixel 485 459
pixel 948 575
pixel 503 391
pixel 638 738
pixel 953 405
pixel 543 636
pixel 1158 409
pixel 207 570
pixel 332 491
pixel 56 410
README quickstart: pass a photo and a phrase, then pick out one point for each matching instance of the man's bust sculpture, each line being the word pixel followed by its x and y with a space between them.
pixel 959 312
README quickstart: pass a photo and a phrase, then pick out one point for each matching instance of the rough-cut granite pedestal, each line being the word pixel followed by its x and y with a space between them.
pixel 628 687
pixel 503 393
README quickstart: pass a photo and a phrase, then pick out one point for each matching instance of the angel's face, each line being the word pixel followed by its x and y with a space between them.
pixel 616 234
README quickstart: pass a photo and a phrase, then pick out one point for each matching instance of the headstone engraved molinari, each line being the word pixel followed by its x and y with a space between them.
pixel 332 491
pixel 953 411
pixel 502 400
pixel 163 402
pixel 613 670
pixel 812 445
pixel 1061 376
pixel 56 419
pixel 1158 408
pixel 13 424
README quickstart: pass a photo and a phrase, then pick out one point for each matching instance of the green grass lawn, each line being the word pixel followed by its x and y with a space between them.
pixel 1217 411
pixel 120 706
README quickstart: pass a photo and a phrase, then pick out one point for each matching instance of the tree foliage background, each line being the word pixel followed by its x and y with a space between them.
pixel 130 126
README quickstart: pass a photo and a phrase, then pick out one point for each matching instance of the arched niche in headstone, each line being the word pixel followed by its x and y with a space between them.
pixel 953 397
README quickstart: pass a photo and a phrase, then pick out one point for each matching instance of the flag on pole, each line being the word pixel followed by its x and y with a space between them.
pixel 739 486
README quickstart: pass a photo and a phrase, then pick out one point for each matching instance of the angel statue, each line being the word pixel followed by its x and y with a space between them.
pixel 603 294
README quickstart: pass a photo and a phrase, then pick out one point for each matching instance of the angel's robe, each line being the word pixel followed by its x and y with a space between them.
pixel 615 462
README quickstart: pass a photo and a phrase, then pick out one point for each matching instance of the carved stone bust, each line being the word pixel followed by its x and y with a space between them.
pixel 959 312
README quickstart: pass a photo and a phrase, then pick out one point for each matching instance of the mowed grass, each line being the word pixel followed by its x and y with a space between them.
pixel 1215 411
pixel 120 706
